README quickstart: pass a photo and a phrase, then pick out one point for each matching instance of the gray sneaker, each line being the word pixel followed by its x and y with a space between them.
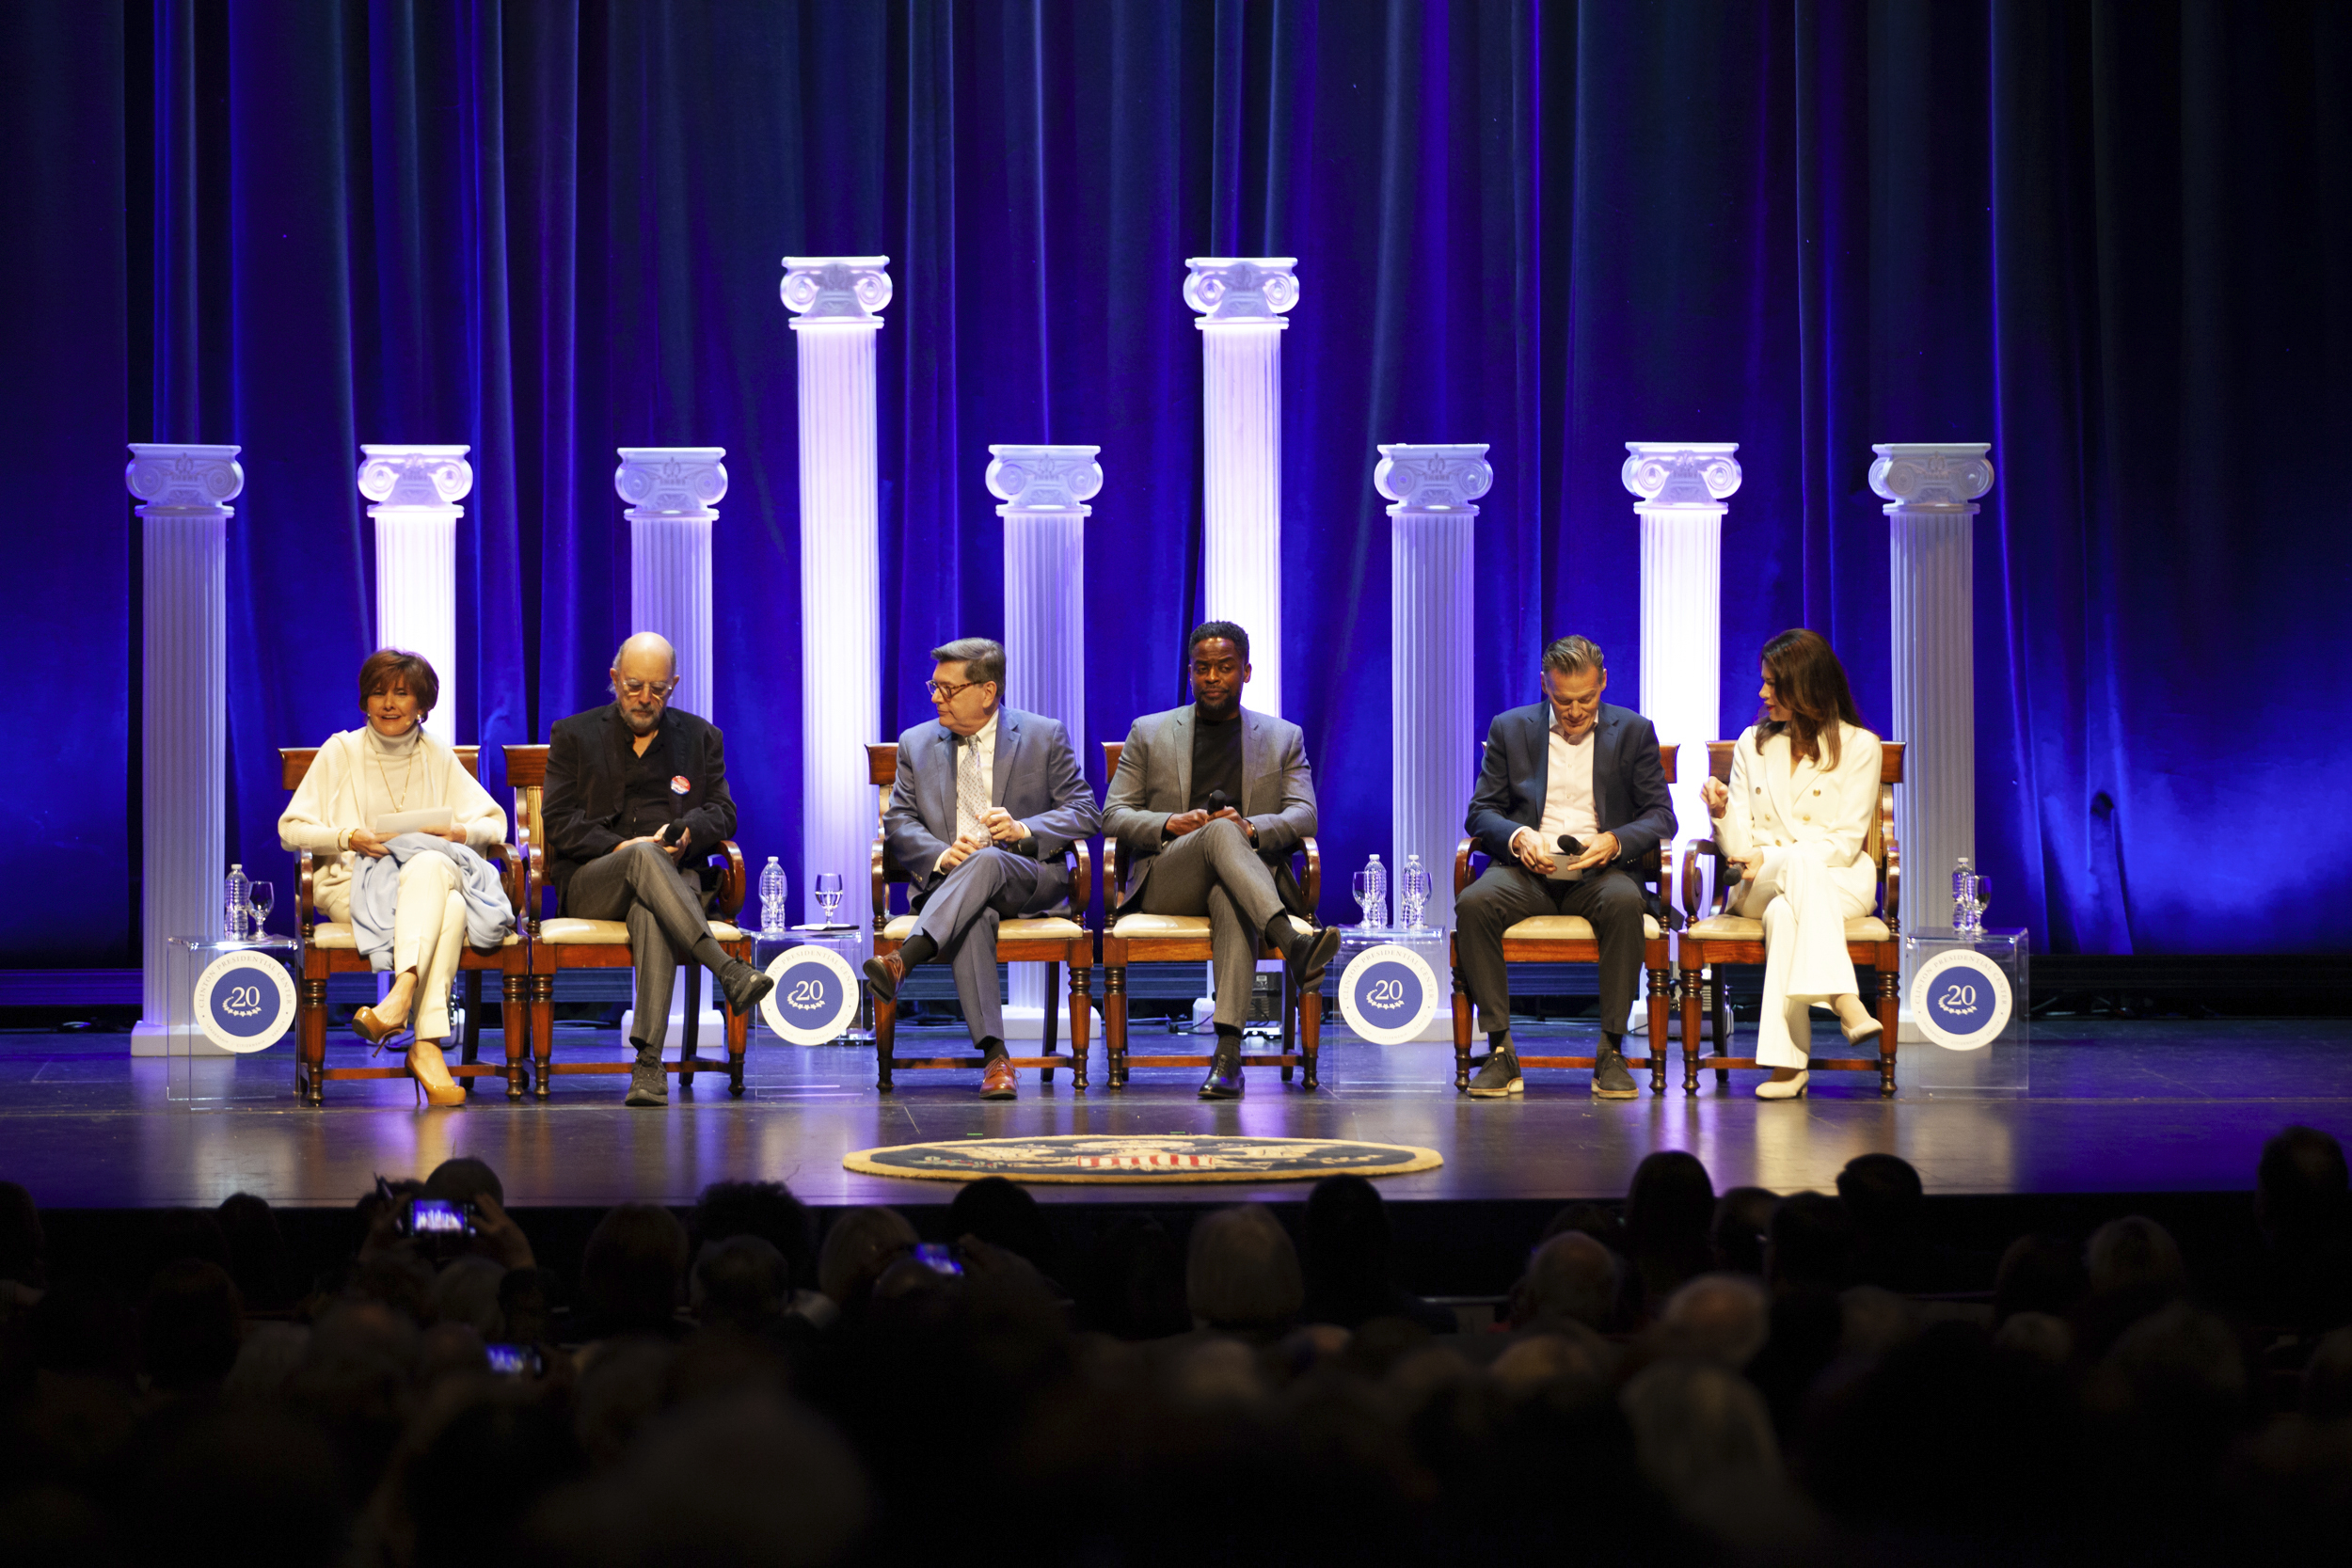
pixel 1611 1080
pixel 1498 1076
pixel 648 1082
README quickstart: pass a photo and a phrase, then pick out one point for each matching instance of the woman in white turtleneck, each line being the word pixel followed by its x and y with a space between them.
pixel 391 765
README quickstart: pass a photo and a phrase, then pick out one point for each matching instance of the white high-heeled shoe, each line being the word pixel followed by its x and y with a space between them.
pixel 1791 1088
pixel 1869 1029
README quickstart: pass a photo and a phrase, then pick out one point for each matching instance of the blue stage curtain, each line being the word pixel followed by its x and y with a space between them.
pixel 2111 238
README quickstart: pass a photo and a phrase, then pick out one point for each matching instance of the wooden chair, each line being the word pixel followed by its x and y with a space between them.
pixel 330 947
pixel 564 942
pixel 1568 939
pixel 1184 939
pixel 1050 940
pixel 1872 941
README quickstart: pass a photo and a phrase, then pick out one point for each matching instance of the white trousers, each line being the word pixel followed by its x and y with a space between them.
pixel 1804 917
pixel 428 935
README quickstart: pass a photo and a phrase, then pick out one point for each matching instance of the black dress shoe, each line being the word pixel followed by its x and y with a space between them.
pixel 1309 954
pixel 1224 1078
pixel 746 986
pixel 884 974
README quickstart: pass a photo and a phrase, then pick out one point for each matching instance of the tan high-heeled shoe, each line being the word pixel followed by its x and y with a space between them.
pixel 431 1076
pixel 378 1031
pixel 1783 1088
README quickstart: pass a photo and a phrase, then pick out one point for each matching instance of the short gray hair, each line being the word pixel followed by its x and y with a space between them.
pixel 1570 654
pixel 982 657
pixel 1242 1271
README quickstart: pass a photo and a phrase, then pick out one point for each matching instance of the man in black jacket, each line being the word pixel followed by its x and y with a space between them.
pixel 632 788
pixel 1576 767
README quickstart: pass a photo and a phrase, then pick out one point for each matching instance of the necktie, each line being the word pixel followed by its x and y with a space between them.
pixel 971 793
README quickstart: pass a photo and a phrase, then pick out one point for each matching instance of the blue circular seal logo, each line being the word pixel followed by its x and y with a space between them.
pixel 1387 994
pixel 816 996
pixel 1961 1000
pixel 244 1001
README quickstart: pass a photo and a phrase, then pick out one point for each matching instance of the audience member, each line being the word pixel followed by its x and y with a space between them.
pixel 1723 1319
pixel 1743 1215
pixel 631 1274
pixel 1669 1210
pixel 1242 1274
pixel 189 1326
pixel 2303 1206
pixel 1347 1252
pixel 258 1260
pixel 1571 1279
pixel 861 1243
pixel 1133 1283
pixel 766 1210
pixel 1810 1245
pixel 1003 1214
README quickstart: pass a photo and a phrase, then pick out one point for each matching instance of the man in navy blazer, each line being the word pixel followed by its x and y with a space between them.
pixel 1570 766
pixel 986 800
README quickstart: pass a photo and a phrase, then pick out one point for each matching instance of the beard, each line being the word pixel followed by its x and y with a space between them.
pixel 641 723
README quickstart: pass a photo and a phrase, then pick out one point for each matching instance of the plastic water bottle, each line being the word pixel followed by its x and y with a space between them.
pixel 232 908
pixel 1376 912
pixel 1413 901
pixel 1963 897
pixel 772 913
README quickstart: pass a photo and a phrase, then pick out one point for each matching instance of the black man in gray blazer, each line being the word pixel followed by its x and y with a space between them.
pixel 1573 765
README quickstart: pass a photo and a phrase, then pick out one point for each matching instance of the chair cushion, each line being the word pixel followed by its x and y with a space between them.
pixel 1044 929
pixel 332 934
pixel 1739 928
pixel 1134 926
pixel 564 931
pixel 1568 927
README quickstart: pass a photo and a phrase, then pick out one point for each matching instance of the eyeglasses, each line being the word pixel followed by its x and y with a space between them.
pixel 639 688
pixel 943 692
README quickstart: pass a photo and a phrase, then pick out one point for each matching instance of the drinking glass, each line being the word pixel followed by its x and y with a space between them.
pixel 828 889
pixel 259 896
pixel 1363 895
pixel 1983 896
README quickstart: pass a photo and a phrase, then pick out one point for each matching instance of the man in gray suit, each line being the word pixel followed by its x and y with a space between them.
pixel 985 802
pixel 1208 801
pixel 1572 766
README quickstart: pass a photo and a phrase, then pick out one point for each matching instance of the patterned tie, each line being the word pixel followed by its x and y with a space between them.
pixel 971 793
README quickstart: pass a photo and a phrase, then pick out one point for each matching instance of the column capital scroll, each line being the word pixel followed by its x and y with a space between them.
pixel 169 474
pixel 836 290
pixel 1681 473
pixel 394 475
pixel 1233 289
pixel 1043 478
pixel 1914 474
pixel 671 481
pixel 1432 478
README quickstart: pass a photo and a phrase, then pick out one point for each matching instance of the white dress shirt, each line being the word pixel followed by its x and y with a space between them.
pixel 1569 798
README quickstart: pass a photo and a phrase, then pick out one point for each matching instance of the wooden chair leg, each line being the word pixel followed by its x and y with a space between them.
pixel 512 1012
pixel 1115 1025
pixel 886 1041
pixel 1290 1018
pixel 1890 1020
pixel 543 1032
pixel 1051 1037
pixel 1461 1021
pixel 693 1021
pixel 471 1041
pixel 309 1085
pixel 1692 1001
pixel 1719 1001
pixel 1311 1033
pixel 1660 982
pixel 1081 1004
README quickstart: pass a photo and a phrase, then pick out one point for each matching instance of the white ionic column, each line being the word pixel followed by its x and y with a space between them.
pixel 1431 597
pixel 416 491
pixel 1680 487
pixel 184 730
pixel 1930 490
pixel 1044 490
pixel 1242 302
pixel 673 495
pixel 833 300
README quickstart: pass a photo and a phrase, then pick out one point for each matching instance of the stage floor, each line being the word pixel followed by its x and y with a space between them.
pixel 2116 1107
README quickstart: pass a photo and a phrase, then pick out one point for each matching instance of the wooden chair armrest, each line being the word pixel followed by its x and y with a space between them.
pixel 1462 865
pixel 1893 911
pixel 1312 883
pixel 534 875
pixel 1081 878
pixel 306 866
pixel 509 860
pixel 1691 883
pixel 733 881
pixel 880 865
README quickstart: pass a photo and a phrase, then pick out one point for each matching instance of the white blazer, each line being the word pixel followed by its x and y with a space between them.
pixel 1824 812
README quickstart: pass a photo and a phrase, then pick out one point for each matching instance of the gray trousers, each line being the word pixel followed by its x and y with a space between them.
pixel 1507 894
pixel 960 916
pixel 1215 871
pixel 641 886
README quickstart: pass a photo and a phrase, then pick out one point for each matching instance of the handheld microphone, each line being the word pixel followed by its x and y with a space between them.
pixel 1570 846
pixel 1219 800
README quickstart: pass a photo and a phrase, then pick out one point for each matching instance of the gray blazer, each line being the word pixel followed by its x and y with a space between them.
pixel 1036 778
pixel 1155 782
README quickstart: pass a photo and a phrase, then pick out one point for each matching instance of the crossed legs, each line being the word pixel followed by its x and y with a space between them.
pixel 1805 962
pixel 641 886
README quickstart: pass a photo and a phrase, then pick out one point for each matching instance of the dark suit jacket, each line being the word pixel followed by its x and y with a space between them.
pixel 1035 777
pixel 582 805
pixel 1155 782
pixel 1630 797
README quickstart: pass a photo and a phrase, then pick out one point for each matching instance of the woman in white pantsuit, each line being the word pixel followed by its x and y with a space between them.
pixel 1803 784
pixel 386 767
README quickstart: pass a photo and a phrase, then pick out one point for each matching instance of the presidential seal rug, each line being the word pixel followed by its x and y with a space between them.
pixel 1176 1157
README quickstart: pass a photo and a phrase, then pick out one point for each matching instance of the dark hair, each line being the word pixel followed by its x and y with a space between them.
pixel 982 657
pixel 630 1272
pixel 1208 630
pixel 1881 1192
pixel 1811 1242
pixel 1569 655
pixel 1811 685
pixel 1003 1214
pixel 1671 1200
pixel 2300 1182
pixel 766 1210
pixel 387 665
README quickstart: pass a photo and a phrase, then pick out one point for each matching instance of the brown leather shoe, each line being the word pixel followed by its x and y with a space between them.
pixel 884 974
pixel 996 1080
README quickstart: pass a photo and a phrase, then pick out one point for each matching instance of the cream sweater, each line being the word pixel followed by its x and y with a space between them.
pixel 358 776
